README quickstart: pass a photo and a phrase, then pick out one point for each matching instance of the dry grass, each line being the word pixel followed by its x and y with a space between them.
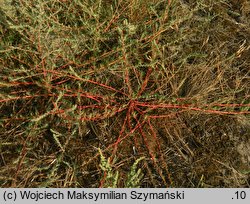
pixel 164 80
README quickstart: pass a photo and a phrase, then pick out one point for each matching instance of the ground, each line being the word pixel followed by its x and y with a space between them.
pixel 131 93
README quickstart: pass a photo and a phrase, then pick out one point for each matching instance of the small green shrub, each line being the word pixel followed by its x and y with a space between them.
pixel 111 176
